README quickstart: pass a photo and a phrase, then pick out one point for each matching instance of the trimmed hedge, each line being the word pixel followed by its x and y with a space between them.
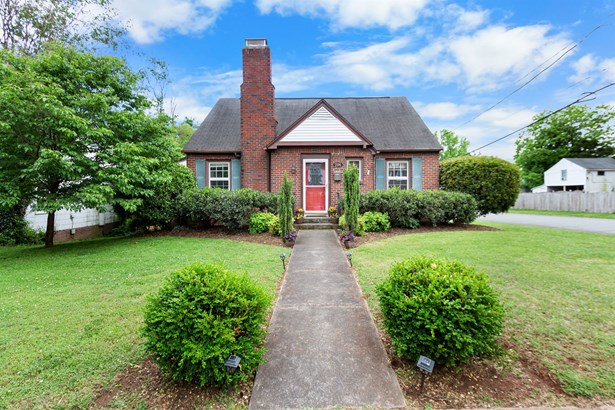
pixel 440 309
pixel 407 208
pixel 203 314
pixel 493 182
pixel 203 208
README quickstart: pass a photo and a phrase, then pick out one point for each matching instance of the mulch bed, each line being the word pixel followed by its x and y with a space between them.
pixel 268 239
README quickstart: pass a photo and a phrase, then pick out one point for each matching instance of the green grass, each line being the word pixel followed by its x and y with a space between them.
pixel 71 314
pixel 558 288
pixel 562 213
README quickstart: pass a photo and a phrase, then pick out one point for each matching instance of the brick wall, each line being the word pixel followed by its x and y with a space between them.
pixel 290 160
pixel 86 232
pixel 258 124
pixel 191 158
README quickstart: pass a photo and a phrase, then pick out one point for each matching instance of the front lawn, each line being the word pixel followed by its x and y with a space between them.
pixel 558 288
pixel 71 314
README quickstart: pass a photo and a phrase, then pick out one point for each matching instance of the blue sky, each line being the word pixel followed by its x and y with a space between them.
pixel 452 60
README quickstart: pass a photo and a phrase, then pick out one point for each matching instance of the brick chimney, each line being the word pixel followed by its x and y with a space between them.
pixel 258 124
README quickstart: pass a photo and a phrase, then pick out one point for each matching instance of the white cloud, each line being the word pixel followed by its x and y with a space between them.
pixel 148 23
pixel 491 58
pixel 444 110
pixel 392 14
pixel 496 53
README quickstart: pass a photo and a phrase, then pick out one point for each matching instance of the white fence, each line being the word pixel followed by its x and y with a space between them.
pixel 600 202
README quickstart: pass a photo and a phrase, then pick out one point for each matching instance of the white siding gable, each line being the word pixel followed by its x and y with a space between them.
pixel 321 126
pixel 575 174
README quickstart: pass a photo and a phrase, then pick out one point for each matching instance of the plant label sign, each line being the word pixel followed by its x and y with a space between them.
pixel 425 364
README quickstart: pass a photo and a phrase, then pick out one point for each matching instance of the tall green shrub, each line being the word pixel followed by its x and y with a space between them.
pixel 351 197
pixel 285 206
pixel 201 315
pixel 493 182
pixel 441 309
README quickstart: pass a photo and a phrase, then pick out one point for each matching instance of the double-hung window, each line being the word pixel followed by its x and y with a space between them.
pixel 219 175
pixel 355 163
pixel 397 174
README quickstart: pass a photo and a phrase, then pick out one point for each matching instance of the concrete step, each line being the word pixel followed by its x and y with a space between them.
pixel 316 225
pixel 316 219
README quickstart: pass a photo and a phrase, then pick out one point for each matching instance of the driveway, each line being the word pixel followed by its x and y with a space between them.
pixel 606 226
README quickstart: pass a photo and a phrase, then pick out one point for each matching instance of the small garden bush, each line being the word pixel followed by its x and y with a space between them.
pixel 261 222
pixel 493 182
pixel 440 309
pixel 376 221
pixel 203 314
pixel 359 229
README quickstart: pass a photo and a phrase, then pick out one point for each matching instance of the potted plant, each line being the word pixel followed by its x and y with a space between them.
pixel 299 214
pixel 332 213
pixel 348 240
pixel 290 238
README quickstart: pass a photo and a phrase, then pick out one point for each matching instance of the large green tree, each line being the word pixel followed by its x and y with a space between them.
pixel 578 131
pixel 27 25
pixel 454 145
pixel 75 133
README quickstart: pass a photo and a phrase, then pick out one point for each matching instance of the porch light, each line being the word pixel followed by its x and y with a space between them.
pixel 425 364
pixel 232 363
pixel 349 257
pixel 282 258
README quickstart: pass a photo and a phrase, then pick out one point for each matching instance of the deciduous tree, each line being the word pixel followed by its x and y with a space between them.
pixel 74 134
pixel 454 146
pixel 27 25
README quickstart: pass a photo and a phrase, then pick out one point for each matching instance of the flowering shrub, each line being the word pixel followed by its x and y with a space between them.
pixel 299 213
pixel 332 212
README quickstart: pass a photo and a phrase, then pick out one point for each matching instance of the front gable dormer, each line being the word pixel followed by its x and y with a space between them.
pixel 321 125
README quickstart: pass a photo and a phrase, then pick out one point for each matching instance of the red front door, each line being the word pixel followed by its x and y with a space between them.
pixel 315 180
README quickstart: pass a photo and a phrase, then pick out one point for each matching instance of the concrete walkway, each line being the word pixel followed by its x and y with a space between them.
pixel 574 223
pixel 323 347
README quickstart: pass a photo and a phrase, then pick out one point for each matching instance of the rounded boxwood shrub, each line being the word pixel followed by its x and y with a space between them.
pixel 203 314
pixel 440 309
pixel 261 222
pixel 493 182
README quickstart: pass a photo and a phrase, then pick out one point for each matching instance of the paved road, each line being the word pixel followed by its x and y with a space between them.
pixel 574 223
pixel 323 349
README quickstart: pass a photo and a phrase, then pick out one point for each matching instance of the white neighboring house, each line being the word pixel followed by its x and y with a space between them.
pixel 580 174
pixel 88 223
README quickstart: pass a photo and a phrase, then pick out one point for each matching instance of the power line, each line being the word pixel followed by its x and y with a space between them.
pixel 585 97
pixel 568 49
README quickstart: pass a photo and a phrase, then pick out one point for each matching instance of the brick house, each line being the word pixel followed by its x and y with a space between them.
pixel 249 142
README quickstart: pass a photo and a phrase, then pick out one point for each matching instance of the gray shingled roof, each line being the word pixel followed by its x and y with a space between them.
pixel 390 123
pixel 601 164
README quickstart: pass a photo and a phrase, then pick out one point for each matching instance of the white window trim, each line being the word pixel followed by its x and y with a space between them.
pixel 348 160
pixel 217 163
pixel 564 174
pixel 389 178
